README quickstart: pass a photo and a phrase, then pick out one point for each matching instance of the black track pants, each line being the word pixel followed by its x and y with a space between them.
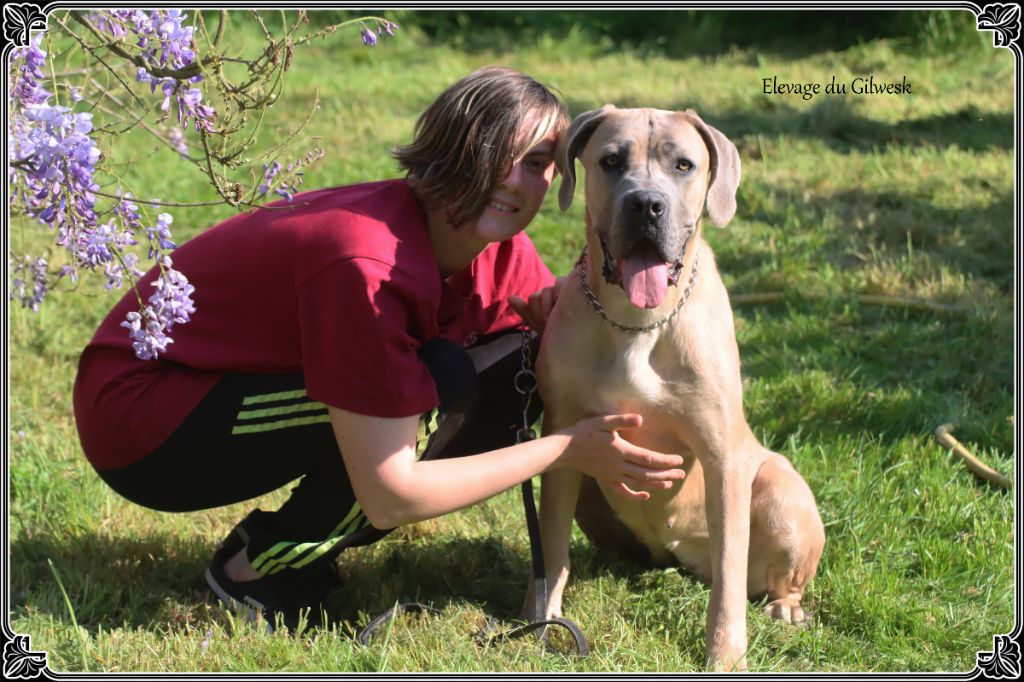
pixel 254 433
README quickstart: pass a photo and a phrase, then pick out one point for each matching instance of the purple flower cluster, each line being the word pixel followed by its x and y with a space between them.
pixel 108 245
pixel 384 28
pixel 51 163
pixel 150 327
pixel 163 42
pixel 100 245
pixel 36 271
pixel 51 158
pixel 155 29
pixel 171 304
pixel 28 61
pixel 189 100
pixel 287 185
pixel 55 159
pixel 269 175
pixel 160 235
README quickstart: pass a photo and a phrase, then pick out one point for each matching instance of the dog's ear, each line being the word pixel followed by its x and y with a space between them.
pixel 725 171
pixel 569 148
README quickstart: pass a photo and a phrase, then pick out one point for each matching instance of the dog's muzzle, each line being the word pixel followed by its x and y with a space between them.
pixel 643 252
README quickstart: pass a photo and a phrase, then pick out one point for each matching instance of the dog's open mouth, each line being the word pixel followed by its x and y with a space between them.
pixel 644 274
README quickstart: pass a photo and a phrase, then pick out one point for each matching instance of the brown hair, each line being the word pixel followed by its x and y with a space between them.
pixel 466 141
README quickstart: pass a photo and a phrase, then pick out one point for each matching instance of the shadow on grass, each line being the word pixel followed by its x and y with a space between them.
pixel 148 582
pixel 822 370
pixel 484 573
pixel 836 122
pixel 833 367
pixel 153 582
pixel 109 582
pixel 850 224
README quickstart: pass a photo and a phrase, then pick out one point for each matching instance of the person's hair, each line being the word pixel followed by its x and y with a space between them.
pixel 466 141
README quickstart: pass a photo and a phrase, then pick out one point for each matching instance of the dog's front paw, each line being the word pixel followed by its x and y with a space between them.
pixel 727 660
pixel 788 611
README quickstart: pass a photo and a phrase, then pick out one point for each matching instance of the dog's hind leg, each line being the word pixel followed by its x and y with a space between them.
pixel 787 538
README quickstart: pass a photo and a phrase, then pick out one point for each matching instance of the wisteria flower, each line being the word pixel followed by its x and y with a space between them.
pixel 36 269
pixel 190 107
pixel 100 245
pixel 175 40
pixel 29 60
pixel 171 304
pixel 147 334
pixel 172 301
pixel 117 270
pixel 57 160
pixel 287 185
pixel 160 235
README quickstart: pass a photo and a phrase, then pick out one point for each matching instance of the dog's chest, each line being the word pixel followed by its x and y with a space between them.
pixel 630 379
pixel 647 376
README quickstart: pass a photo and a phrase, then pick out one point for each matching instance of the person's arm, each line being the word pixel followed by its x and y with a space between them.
pixel 394 488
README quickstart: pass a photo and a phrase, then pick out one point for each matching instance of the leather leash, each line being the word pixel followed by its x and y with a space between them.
pixel 526 385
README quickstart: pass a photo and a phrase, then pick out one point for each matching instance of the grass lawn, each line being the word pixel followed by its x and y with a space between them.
pixel 897 195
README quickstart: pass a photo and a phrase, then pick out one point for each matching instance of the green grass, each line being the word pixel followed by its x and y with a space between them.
pixel 898 195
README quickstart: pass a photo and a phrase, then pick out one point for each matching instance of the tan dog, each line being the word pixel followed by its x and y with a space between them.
pixel 743 519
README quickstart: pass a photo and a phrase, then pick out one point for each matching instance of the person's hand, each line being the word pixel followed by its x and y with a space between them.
pixel 536 311
pixel 596 449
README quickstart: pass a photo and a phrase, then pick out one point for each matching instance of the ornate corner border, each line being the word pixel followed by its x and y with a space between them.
pixel 1003 19
pixel 20 20
pixel 1003 662
pixel 20 662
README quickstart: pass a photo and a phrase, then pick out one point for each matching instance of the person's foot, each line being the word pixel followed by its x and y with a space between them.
pixel 289 596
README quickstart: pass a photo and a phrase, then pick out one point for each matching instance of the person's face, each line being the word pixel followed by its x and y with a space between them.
pixel 518 196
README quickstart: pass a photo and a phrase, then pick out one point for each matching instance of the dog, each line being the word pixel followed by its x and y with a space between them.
pixel 643 325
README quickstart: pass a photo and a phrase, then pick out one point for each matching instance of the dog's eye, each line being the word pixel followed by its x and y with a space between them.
pixel 684 165
pixel 610 161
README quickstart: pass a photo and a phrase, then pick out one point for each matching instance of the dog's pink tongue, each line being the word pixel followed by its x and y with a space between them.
pixel 645 277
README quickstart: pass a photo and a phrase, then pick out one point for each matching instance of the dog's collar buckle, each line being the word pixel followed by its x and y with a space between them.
pixel 581 270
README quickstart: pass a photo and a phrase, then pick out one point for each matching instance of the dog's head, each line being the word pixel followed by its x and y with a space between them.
pixel 649 176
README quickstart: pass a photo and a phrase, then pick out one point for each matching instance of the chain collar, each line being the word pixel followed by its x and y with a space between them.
pixel 581 269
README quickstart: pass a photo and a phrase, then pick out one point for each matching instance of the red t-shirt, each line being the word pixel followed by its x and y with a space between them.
pixel 340 284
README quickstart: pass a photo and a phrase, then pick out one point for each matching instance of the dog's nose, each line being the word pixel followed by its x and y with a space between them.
pixel 646 204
